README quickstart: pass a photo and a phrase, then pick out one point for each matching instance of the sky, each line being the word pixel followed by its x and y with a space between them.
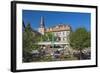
pixel 52 18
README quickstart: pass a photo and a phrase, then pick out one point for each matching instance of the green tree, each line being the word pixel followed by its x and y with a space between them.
pixel 30 39
pixel 44 38
pixel 79 39
pixel 49 36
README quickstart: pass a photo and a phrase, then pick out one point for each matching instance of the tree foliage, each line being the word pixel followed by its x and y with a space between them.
pixel 49 36
pixel 30 39
pixel 80 39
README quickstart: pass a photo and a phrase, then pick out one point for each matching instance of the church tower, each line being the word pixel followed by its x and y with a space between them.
pixel 42 26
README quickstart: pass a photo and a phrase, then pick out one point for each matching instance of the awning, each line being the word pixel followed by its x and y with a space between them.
pixel 50 43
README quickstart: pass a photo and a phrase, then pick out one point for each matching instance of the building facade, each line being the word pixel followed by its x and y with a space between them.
pixel 60 31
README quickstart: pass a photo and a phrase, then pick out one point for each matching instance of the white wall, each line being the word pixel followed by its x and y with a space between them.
pixel 5 36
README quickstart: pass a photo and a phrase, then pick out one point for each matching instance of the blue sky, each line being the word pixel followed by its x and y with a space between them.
pixel 52 18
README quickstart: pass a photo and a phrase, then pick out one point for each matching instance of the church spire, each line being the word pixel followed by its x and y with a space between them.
pixel 42 25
